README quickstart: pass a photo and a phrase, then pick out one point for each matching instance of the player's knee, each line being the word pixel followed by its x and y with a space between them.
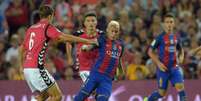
pixel 179 86
pixel 58 97
pixel 38 98
pixel 162 92
pixel 101 97
pixel 42 97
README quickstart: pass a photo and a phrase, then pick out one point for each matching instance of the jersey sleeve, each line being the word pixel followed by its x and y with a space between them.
pixel 100 32
pixel 155 43
pixel 78 32
pixel 53 32
pixel 178 45
pixel 101 40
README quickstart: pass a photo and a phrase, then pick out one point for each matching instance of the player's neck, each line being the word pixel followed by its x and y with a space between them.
pixel 169 32
pixel 44 19
pixel 90 33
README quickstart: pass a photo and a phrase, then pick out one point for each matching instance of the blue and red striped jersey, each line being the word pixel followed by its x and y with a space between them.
pixel 167 46
pixel 110 52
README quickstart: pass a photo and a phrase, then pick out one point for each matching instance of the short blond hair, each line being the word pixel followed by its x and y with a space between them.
pixel 113 22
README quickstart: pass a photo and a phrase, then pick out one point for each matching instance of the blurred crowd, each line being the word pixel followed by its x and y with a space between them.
pixel 140 22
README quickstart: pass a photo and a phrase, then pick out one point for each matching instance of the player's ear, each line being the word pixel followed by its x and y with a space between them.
pixel 50 17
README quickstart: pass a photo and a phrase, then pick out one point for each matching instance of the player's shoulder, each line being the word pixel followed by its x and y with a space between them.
pixel 100 32
pixel 78 32
pixel 160 36
pixel 102 38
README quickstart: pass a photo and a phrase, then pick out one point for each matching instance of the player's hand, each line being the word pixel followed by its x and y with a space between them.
pixel 85 47
pixel 162 67
pixel 94 42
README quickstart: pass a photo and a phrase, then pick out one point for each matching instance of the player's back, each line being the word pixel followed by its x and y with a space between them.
pixel 35 45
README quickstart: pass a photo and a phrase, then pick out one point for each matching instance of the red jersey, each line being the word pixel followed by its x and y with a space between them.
pixel 86 59
pixel 36 42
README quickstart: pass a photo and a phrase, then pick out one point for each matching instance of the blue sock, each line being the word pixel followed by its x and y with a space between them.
pixel 182 95
pixel 154 96
pixel 81 96
pixel 102 98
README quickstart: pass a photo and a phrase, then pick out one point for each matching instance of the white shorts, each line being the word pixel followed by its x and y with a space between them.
pixel 38 79
pixel 84 75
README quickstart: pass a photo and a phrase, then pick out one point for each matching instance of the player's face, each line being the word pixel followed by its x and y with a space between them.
pixel 169 24
pixel 113 31
pixel 90 23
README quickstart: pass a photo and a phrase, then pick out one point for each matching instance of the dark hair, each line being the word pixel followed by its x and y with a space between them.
pixel 168 15
pixel 89 14
pixel 45 11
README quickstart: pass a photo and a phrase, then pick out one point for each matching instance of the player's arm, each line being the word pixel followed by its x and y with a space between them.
pixel 180 53
pixel 21 57
pixel 99 41
pixel 120 73
pixel 69 53
pixel 154 56
pixel 71 38
pixel 120 70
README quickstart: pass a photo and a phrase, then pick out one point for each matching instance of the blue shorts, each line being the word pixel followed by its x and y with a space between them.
pixel 175 75
pixel 99 82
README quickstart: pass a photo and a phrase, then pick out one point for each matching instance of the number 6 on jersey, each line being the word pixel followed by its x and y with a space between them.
pixel 31 41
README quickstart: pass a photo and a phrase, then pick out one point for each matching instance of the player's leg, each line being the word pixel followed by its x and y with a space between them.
pixel 178 82
pixel 51 94
pixel 54 93
pixel 35 83
pixel 162 80
pixel 104 89
pixel 41 96
pixel 88 86
pixel 84 75
pixel 49 86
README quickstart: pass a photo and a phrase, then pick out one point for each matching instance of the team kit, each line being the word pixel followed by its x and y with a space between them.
pixel 99 57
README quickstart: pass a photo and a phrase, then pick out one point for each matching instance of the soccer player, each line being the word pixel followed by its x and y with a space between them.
pixel 85 58
pixel 170 55
pixel 110 50
pixel 33 53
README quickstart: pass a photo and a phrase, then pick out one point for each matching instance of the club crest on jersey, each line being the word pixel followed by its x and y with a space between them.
pixel 114 54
